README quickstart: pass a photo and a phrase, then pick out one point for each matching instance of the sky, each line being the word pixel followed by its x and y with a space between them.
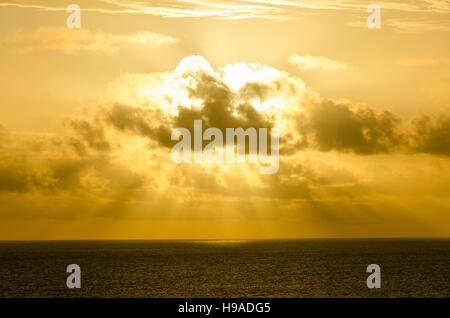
pixel 86 117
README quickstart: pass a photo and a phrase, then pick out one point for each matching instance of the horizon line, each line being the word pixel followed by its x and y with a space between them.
pixel 233 239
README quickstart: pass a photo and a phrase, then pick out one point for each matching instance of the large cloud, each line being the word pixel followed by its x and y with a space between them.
pixel 116 164
pixel 253 95
pixel 240 95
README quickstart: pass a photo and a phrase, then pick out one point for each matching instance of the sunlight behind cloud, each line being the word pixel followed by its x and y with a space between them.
pixel 87 117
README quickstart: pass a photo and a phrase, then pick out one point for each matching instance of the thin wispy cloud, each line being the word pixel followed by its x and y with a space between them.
pixel 240 9
pixel 418 26
pixel 309 62
pixel 50 8
pixel 71 41
pixel 409 26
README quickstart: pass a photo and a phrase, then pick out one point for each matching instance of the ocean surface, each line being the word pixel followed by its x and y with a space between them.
pixel 272 268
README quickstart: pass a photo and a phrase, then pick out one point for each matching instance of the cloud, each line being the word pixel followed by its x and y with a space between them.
pixel 315 63
pixel 139 121
pixel 240 9
pixel 408 18
pixel 18 177
pixel 78 161
pixel 431 134
pixel 418 26
pixel 72 41
pixel 235 96
pixel 343 127
pixel 254 95
pixel 346 166
pixel 92 134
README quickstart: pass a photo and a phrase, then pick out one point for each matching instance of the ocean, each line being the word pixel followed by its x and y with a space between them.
pixel 227 268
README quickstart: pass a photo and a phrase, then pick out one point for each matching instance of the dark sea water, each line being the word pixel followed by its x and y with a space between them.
pixel 278 268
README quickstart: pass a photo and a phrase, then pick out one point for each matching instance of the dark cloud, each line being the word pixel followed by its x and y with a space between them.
pixel 48 166
pixel 324 126
pixel 16 177
pixel 143 122
pixel 67 173
pixel 218 107
pixel 19 175
pixel 431 135
pixel 334 126
pixel 217 110
pixel 91 134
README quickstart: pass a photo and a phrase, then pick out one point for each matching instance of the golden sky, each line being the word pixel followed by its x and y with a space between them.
pixel 86 116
